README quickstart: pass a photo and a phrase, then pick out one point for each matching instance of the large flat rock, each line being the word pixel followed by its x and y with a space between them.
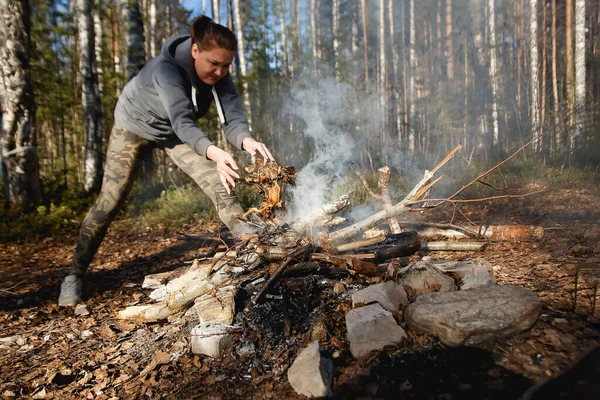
pixel 474 316
pixel 372 328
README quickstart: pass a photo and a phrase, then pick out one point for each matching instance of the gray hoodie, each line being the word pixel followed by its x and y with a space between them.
pixel 157 103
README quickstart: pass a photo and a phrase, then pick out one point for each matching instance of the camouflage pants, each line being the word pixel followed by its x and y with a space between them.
pixel 123 160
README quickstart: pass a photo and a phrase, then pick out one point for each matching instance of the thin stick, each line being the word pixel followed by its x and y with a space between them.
pixel 426 187
pixel 293 255
pixel 446 159
pixel 505 196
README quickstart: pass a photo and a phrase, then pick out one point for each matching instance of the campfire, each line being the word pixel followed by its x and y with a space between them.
pixel 284 284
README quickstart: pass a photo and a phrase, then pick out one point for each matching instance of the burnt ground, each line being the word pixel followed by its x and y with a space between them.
pixel 55 354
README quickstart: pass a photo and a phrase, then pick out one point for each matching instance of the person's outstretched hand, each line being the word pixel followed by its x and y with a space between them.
pixel 252 146
pixel 226 166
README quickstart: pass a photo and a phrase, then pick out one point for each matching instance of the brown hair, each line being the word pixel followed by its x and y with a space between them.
pixel 207 35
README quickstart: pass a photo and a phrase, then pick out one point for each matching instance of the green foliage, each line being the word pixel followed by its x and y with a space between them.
pixel 174 208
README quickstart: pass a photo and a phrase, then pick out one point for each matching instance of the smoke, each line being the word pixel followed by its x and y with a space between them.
pixel 323 108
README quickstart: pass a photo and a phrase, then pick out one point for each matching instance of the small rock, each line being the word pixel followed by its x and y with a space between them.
pixel 82 310
pixel 473 274
pixel 310 374
pixel 389 295
pixel 372 328
pixel 474 316
pixel 425 278
pixel 211 339
pixel 338 288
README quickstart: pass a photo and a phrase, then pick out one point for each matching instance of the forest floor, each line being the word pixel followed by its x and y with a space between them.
pixel 48 352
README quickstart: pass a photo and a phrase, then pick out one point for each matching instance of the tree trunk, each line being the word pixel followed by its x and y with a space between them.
pixel 283 29
pixel 579 131
pixel 395 93
pixel 90 98
pixel 363 10
pixel 570 72
pixel 412 61
pixel 152 36
pixel 17 107
pixel 336 42
pixel 383 97
pixel 216 12
pixel 98 40
pixel 242 57
pixel 449 48
pixel 493 72
pixel 534 78
pixel 558 134
pixel 136 56
pixel 543 78
pixel 313 34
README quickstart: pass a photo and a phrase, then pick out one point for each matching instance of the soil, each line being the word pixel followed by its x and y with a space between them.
pixel 48 352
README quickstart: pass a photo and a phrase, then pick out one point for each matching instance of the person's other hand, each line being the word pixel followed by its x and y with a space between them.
pixel 225 166
pixel 252 146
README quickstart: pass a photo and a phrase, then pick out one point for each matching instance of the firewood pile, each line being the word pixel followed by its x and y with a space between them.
pixel 273 292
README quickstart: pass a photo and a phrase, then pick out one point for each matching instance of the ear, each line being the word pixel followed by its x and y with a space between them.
pixel 195 51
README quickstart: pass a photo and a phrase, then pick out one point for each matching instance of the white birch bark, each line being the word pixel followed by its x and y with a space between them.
pixel 493 71
pixel 335 10
pixel 98 41
pixel 216 11
pixel 383 99
pixel 412 60
pixel 17 109
pixel 534 73
pixel 90 98
pixel 152 37
pixel 579 135
pixel 449 44
pixel 239 31
pixel 363 10
pixel 558 142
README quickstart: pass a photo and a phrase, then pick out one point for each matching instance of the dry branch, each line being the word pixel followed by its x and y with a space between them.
pixel 322 217
pixel 453 246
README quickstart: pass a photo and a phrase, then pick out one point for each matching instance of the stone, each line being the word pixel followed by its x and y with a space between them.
pixel 473 274
pixel 423 277
pixel 211 339
pixel 470 317
pixel 388 294
pixel 339 288
pixel 310 374
pixel 372 328
pixel 81 310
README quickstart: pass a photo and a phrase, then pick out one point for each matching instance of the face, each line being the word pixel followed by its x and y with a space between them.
pixel 212 65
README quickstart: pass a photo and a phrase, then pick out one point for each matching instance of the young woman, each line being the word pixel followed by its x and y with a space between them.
pixel 158 108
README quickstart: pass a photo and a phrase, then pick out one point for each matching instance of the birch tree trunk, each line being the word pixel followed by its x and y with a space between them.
pixel 449 47
pixel 363 11
pixel 98 41
pixel 152 37
pixel 335 10
pixel 239 31
pixel 534 73
pixel 17 107
pixel 313 34
pixel 90 98
pixel 493 71
pixel 136 56
pixel 570 73
pixel 216 12
pixel 579 131
pixel 412 61
pixel 558 134
pixel 383 100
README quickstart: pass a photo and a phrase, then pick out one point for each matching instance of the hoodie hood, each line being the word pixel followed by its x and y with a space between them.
pixel 178 50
